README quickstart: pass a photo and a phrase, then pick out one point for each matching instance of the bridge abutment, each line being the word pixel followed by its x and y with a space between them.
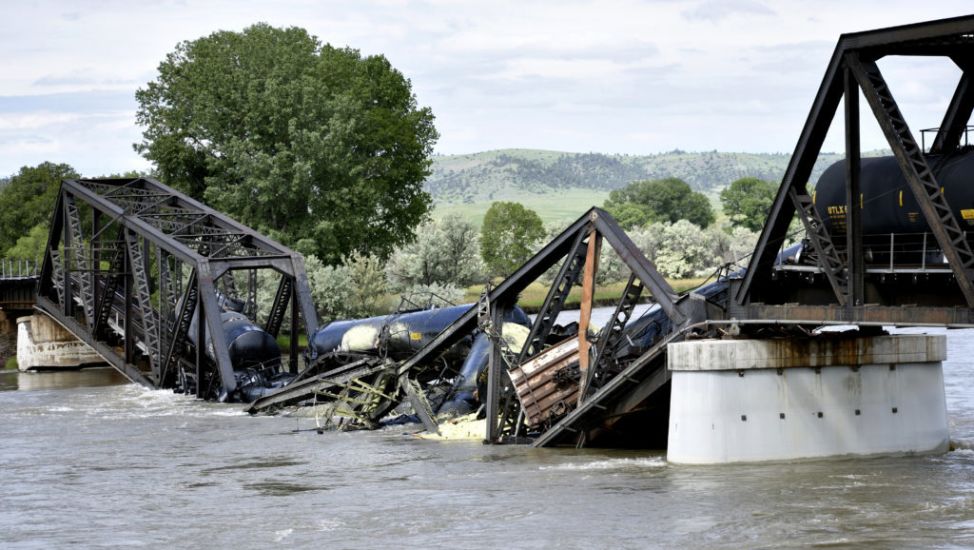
pixel 826 395
pixel 44 344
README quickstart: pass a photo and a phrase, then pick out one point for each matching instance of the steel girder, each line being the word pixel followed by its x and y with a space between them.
pixel 132 280
pixel 853 68
pixel 570 247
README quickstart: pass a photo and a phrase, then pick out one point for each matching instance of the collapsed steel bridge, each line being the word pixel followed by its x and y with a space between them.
pixel 603 385
pixel 103 285
pixel 534 391
pixel 132 266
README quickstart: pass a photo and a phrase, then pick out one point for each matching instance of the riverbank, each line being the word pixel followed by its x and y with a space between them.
pixel 605 295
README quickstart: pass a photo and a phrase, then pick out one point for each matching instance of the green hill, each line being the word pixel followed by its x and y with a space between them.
pixel 560 186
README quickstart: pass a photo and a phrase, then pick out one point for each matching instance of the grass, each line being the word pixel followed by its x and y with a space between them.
pixel 284 341
pixel 562 207
pixel 533 296
pixel 11 363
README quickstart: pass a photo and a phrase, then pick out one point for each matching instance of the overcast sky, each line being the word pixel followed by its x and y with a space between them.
pixel 612 77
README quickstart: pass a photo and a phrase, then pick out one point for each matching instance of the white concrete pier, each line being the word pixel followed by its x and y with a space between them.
pixel 43 344
pixel 761 400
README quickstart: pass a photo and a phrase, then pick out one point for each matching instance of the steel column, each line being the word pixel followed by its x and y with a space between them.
pixel 854 206
pixel 918 175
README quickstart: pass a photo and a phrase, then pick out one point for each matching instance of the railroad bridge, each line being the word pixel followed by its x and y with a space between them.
pixel 131 281
pixel 630 381
pixel 144 274
pixel 18 282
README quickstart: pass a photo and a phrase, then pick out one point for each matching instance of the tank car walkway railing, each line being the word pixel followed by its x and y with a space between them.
pixel 892 253
pixel 938 131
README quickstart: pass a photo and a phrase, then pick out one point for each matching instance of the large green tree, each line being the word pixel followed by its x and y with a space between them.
pixel 746 202
pixel 318 146
pixel 27 201
pixel 508 236
pixel 664 200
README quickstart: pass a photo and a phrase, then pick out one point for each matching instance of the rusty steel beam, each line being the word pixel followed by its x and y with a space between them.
pixel 585 313
pixel 803 314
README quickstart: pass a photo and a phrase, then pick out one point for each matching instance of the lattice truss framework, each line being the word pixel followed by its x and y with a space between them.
pixel 129 265
pixel 853 70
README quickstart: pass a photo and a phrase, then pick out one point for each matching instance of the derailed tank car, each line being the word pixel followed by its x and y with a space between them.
pixel 254 353
pixel 451 386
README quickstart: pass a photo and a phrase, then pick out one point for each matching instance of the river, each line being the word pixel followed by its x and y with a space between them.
pixel 91 461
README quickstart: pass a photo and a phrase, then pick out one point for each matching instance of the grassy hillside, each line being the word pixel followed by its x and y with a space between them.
pixel 560 186
pixel 566 205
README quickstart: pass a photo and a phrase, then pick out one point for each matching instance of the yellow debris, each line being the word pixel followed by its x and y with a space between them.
pixel 462 428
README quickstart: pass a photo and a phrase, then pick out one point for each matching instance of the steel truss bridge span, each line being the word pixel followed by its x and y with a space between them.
pixel 837 282
pixel 143 274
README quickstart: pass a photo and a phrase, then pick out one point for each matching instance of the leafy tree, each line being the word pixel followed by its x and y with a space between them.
pixel 368 285
pixel 747 201
pixel 508 236
pixel 353 289
pixel 664 200
pixel 28 201
pixel 647 238
pixel 30 246
pixel 731 246
pixel 685 251
pixel 445 252
pixel 317 146
pixel 438 295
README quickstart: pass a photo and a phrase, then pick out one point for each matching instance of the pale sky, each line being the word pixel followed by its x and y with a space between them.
pixel 611 77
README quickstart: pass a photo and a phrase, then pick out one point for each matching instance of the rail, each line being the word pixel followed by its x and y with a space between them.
pixel 889 253
pixel 934 131
pixel 15 269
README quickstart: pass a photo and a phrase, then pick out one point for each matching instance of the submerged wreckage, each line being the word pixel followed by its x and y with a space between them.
pixel 164 289
pixel 532 379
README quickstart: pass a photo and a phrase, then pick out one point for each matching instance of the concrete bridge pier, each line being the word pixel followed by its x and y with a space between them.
pixel 822 396
pixel 44 344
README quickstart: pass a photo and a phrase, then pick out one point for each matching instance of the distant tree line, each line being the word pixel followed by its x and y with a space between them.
pixel 673 225
pixel 480 177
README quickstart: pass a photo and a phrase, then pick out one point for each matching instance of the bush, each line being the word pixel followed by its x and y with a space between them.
pixel 433 295
pixel 444 253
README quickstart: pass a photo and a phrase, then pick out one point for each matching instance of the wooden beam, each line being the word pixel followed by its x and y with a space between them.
pixel 585 314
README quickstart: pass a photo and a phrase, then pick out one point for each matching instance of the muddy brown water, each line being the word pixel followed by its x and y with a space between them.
pixel 91 461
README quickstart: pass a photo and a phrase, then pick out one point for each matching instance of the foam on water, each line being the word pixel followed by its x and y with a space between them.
pixel 611 464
